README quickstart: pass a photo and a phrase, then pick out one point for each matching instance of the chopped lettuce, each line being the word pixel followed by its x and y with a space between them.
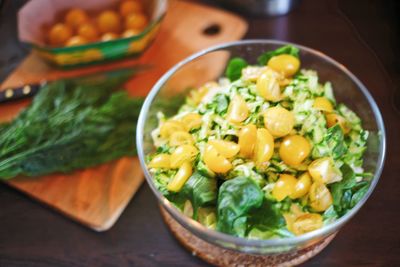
pixel 241 201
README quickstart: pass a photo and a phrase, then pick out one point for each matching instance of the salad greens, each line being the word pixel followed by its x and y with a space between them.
pixel 287 49
pixel 234 68
pixel 264 153
pixel 69 126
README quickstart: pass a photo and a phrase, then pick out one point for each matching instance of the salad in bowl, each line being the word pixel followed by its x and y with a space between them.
pixel 264 152
pixel 260 146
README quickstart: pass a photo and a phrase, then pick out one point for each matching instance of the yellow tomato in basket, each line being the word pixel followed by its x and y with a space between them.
pixel 109 22
pixel 88 31
pixel 59 34
pixel 109 36
pixel 136 21
pixel 76 40
pixel 76 17
pixel 130 6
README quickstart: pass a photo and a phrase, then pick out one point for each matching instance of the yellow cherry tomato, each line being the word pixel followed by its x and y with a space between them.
pixel 294 149
pixel 88 31
pixel 288 65
pixel 181 154
pixel 237 110
pixel 227 149
pixel 264 148
pixel 130 6
pixel 306 223
pixel 292 215
pixel 197 95
pixel 109 36
pixel 109 21
pixel 180 178
pixel 323 170
pixel 161 161
pixel 279 121
pixel 268 86
pixel 215 161
pixel 333 119
pixel 320 197
pixel 191 121
pixel 59 34
pixel 180 138
pixel 323 103
pixel 284 186
pixel 129 33
pixel 136 21
pixel 251 73
pixel 247 140
pixel 169 127
pixel 76 40
pixel 76 17
pixel 302 186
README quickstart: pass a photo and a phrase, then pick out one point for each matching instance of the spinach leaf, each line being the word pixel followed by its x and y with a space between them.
pixel 256 233
pixel 338 188
pixel 201 190
pixel 359 194
pixel 234 69
pixel 348 192
pixel 330 215
pixel 266 217
pixel 288 49
pixel 237 198
pixel 335 141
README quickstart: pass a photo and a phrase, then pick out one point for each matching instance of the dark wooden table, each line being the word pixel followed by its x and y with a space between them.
pixel 363 35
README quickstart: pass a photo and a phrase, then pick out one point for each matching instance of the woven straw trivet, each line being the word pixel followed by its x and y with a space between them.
pixel 223 257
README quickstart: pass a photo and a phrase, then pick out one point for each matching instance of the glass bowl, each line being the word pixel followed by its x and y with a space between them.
pixel 207 65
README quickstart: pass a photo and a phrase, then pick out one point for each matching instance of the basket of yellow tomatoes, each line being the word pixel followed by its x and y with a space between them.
pixel 75 32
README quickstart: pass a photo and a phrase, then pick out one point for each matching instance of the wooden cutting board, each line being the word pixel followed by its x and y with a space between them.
pixel 97 196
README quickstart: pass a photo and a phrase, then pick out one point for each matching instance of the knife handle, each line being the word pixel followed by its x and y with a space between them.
pixel 12 94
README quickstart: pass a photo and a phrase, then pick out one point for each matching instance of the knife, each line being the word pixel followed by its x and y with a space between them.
pixel 13 94
pixel 29 90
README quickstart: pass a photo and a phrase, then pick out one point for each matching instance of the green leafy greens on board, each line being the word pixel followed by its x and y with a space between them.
pixel 241 202
pixel 67 127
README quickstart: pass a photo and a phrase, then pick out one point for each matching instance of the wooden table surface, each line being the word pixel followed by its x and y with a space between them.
pixel 363 35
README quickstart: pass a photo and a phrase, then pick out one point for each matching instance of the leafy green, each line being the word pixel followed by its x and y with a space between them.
pixel 335 141
pixel 237 198
pixel 219 104
pixel 201 190
pixel 333 144
pixel 330 215
pixel 287 49
pixel 347 192
pixel 69 126
pixel 234 69
pixel 256 233
pixel 204 170
pixel 267 217
pixel 359 194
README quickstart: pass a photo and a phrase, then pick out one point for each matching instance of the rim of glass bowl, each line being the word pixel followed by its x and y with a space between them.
pixel 201 230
